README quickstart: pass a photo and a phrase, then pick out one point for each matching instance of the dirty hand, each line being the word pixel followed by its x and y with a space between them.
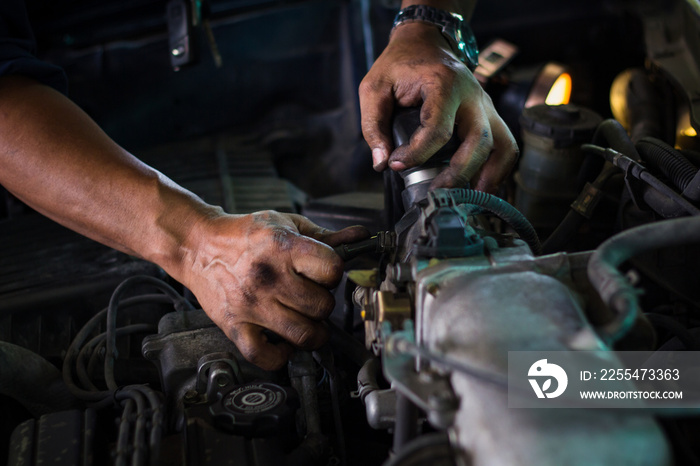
pixel 419 68
pixel 266 270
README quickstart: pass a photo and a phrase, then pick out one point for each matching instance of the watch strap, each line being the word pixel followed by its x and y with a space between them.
pixel 452 25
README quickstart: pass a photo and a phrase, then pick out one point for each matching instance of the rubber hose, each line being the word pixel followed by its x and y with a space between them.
pixel 636 170
pixel 668 161
pixel 612 286
pixel 367 378
pixel 33 381
pixel 504 211
pixel 568 227
pixel 406 425
pixel 610 133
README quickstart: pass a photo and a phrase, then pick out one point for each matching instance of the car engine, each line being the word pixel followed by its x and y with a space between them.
pixel 592 244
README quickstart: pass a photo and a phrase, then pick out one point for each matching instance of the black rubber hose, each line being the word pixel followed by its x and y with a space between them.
pixel 33 381
pixel 504 211
pixel 573 220
pixel 406 425
pixel 612 286
pixel 610 133
pixel 638 171
pixel 668 161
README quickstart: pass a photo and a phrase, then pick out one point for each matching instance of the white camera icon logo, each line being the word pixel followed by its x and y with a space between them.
pixel 543 369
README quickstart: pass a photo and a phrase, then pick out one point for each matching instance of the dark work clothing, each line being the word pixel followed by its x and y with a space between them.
pixel 17 48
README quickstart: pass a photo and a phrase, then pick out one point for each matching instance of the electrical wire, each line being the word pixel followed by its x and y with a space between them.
pixel 82 335
pixel 111 352
pixel 98 342
pixel 139 402
pixel 636 170
pixel 123 435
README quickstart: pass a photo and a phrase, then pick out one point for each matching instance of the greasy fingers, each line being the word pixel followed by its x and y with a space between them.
pixel 503 157
pixel 260 271
pixel 254 345
pixel 308 298
pixel 474 150
pixel 332 238
pixel 485 157
pixel 418 69
pixel 377 104
pixel 437 121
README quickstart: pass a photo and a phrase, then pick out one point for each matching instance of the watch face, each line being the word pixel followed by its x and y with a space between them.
pixel 466 43
pixel 471 50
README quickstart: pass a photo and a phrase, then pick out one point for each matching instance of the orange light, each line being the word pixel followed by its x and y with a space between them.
pixel 551 86
pixel 560 92
pixel 689 131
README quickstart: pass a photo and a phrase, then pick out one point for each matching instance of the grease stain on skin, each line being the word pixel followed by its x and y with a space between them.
pixel 265 275
pixel 249 297
pixel 283 239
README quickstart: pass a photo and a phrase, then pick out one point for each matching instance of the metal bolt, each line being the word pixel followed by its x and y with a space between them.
pixel 221 380
pixel 191 396
pixel 177 51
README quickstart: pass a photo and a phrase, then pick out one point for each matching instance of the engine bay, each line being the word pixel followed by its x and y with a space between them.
pixel 593 243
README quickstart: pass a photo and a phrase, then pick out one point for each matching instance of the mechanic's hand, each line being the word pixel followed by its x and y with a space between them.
pixel 418 68
pixel 267 270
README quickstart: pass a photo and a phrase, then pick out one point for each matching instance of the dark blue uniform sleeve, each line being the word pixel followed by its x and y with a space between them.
pixel 17 48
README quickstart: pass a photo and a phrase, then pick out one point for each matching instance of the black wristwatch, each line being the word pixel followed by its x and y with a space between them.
pixel 453 27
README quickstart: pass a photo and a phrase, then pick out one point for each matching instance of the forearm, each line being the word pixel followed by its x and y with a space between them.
pixel 463 7
pixel 249 272
pixel 58 161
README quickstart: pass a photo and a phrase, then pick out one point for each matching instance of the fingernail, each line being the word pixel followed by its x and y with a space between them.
pixel 396 165
pixel 379 157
